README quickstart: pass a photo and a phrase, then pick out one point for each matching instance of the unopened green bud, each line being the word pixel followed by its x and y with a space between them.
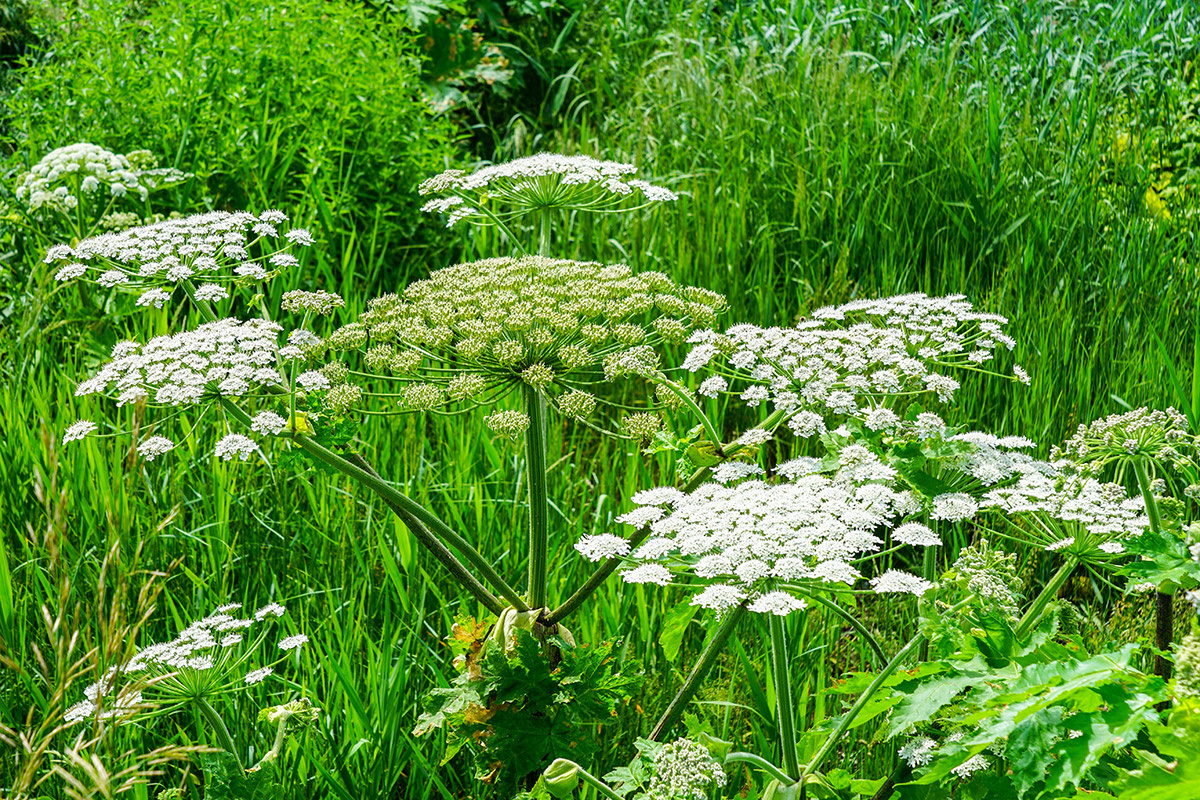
pixel 561 777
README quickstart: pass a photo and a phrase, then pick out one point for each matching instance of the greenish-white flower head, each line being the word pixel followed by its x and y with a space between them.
pixel 543 182
pixel 472 333
pixel 91 174
pixel 684 770
pixel 1159 436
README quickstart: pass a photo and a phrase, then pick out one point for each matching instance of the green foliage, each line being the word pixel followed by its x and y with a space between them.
pixel 1163 560
pixel 1172 770
pixel 310 105
pixel 518 712
pixel 224 779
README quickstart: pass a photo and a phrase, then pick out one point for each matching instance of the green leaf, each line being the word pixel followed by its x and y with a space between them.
pixel 224 779
pixel 674 625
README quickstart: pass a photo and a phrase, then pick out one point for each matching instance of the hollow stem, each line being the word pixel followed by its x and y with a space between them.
pixel 704 665
pixel 785 711
pixel 1048 593
pixel 539 504
pixel 218 725
pixel 599 785
pixel 1164 608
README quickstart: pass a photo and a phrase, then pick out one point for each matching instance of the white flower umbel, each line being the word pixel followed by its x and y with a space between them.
pixel 849 359
pixel 542 182
pixel 207 658
pixel 744 541
pixel 1071 511
pixel 226 357
pixel 78 430
pixel 205 254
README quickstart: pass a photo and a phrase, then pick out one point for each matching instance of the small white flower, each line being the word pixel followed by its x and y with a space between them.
pixel 648 573
pixel 270 610
pixel 915 533
pixel 719 597
pixel 267 423
pixel 78 431
pixel 154 447
pixel 235 444
pixel 70 271
pixel 211 292
pixel 954 507
pixel 154 297
pixel 778 603
pixel 298 236
pixel 602 546
pixel 293 642
pixel 258 675
pixel 971 766
pixel 312 381
pixel 711 387
pixel 896 581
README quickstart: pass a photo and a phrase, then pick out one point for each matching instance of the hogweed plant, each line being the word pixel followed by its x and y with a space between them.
pixel 874 482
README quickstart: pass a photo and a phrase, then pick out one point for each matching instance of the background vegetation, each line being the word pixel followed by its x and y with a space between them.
pixel 1034 156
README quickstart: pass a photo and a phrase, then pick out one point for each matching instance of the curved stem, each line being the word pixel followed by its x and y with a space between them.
pixel 214 719
pixel 539 503
pixel 850 620
pixel 599 785
pixel 848 718
pixel 732 448
pixel 785 710
pixel 684 395
pixel 760 762
pixel 397 501
pixel 598 577
pixel 1048 593
pixel 699 672
pixel 1164 609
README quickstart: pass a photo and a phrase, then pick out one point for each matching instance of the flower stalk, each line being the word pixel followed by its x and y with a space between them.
pixel 708 658
pixel 218 725
pixel 785 710
pixel 539 503
pixel 1164 610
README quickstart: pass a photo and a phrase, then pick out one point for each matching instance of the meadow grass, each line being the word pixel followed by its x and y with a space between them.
pixel 810 172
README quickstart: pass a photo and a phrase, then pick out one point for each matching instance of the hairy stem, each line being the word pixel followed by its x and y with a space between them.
pixel 218 725
pixel 539 503
pixel 704 665
pixel 1048 593
pixel 1164 608
pixel 785 711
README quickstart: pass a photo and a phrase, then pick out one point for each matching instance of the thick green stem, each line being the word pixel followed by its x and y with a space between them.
pixel 599 785
pixel 1049 592
pixel 1164 608
pixel 686 397
pixel 276 747
pixel 539 503
pixel 704 665
pixel 785 710
pixel 760 762
pixel 848 718
pixel 218 725
pixel 544 220
pixel 397 501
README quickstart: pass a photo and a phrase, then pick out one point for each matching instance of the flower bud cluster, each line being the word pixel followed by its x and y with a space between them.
pixel 684 770
pixel 1142 433
pixel 492 326
pixel 78 171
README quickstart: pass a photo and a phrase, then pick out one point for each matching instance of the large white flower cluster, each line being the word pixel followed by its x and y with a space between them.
pixel 846 359
pixel 84 170
pixel 199 660
pixel 207 253
pixel 1099 515
pixel 741 541
pixel 542 181
pixel 227 357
